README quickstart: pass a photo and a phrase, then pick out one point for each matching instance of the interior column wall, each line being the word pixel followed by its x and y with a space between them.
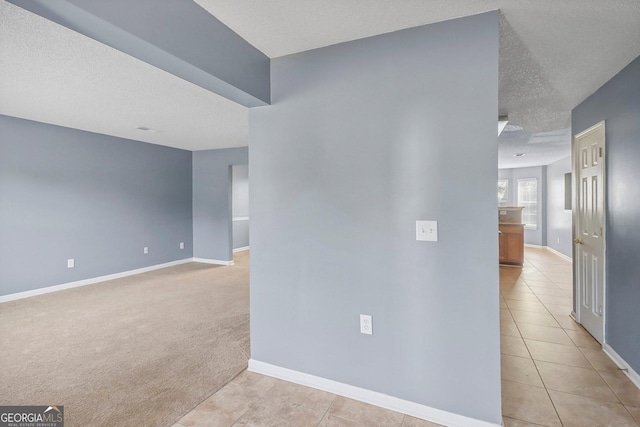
pixel 363 139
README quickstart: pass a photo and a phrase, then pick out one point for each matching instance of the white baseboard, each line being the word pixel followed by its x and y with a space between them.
pixel 560 254
pixel 91 281
pixel 622 364
pixel 244 248
pixel 212 261
pixel 374 398
pixel 531 245
pixel 85 282
pixel 550 249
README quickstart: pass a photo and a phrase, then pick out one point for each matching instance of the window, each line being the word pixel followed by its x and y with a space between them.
pixel 528 198
pixel 503 192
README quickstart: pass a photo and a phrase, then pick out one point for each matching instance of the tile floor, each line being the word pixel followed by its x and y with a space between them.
pixel 256 400
pixel 553 372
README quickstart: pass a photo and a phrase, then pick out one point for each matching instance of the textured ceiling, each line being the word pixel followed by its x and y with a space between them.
pixel 553 55
pixel 54 75
pixel 540 148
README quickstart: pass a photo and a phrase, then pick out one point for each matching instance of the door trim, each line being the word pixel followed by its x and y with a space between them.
pixel 575 188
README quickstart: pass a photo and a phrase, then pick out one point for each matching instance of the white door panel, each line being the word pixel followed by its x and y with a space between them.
pixel 589 230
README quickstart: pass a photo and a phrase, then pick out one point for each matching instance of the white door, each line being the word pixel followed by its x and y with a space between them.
pixel 589 230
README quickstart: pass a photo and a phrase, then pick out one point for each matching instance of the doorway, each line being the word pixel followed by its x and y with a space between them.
pixel 240 207
pixel 590 229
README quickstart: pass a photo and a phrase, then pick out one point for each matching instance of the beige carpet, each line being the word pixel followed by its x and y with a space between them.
pixel 138 351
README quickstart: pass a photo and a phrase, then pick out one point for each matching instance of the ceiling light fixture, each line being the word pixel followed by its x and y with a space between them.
pixel 146 129
pixel 518 155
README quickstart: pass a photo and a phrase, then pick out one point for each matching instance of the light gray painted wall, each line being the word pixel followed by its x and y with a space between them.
pixel 539 235
pixel 363 139
pixel 618 103
pixel 66 193
pixel 212 207
pixel 240 205
pixel 559 222
pixel 240 234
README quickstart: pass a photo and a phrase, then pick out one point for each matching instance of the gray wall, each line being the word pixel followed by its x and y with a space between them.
pixel 67 193
pixel 618 103
pixel 240 205
pixel 559 221
pixel 212 207
pixel 363 139
pixel 539 235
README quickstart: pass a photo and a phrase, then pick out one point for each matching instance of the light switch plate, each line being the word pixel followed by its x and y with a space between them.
pixel 427 231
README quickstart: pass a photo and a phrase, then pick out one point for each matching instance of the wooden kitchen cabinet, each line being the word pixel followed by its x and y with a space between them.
pixel 511 241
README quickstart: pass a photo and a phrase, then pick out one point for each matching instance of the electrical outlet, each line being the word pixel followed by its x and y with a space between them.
pixel 366 326
pixel 558 240
pixel 145 250
pixel 71 263
pixel 181 245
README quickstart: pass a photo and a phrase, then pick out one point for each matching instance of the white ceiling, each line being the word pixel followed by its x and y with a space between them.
pixel 54 75
pixel 553 55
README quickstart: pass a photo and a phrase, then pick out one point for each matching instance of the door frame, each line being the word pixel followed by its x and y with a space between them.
pixel 575 218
